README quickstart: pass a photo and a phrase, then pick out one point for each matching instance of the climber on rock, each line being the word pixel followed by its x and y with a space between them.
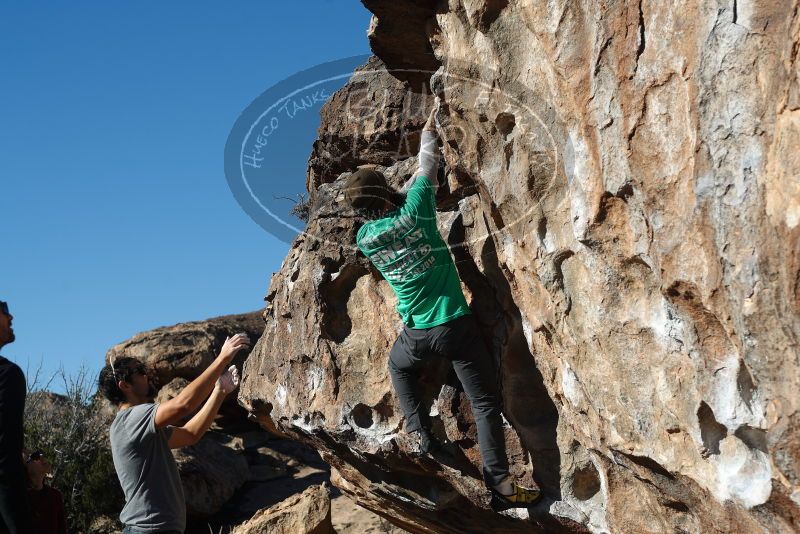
pixel 401 239
pixel 143 433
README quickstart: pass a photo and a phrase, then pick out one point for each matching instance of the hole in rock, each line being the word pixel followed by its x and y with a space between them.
pixel 711 432
pixel 585 482
pixel 362 415
pixel 678 506
pixel 754 438
pixel 649 464
pixel 558 262
pixel 541 229
pixel 505 123
pixel 625 192
pixel 673 292
pixel 489 13
pixel 744 383
pixel 336 324
pixel 611 207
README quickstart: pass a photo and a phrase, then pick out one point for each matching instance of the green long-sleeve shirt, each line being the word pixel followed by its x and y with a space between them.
pixel 406 247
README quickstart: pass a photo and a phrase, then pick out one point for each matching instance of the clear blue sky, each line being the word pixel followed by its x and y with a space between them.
pixel 116 214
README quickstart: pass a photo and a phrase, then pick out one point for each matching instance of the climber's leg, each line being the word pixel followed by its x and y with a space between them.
pixel 460 341
pixel 406 360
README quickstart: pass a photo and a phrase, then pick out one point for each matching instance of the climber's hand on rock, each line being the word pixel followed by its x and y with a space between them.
pixel 233 345
pixel 229 381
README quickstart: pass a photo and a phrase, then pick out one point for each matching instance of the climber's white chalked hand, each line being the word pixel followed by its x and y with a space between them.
pixel 229 380
pixel 233 345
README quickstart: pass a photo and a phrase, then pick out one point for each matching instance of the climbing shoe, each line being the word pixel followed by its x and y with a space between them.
pixel 427 444
pixel 521 498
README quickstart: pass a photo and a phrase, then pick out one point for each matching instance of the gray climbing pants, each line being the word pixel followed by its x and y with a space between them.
pixel 460 342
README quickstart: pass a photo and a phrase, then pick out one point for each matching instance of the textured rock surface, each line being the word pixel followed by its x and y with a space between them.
pixel 374 120
pixel 211 473
pixel 398 36
pixel 186 349
pixel 306 513
pixel 631 255
pixel 349 518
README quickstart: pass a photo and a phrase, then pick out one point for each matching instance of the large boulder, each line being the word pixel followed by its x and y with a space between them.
pixel 308 512
pixel 631 254
pixel 185 350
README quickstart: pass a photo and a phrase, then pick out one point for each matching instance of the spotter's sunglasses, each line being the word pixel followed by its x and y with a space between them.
pixel 140 368
pixel 4 307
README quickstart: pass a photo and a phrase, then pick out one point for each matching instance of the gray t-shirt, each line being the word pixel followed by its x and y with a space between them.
pixel 147 471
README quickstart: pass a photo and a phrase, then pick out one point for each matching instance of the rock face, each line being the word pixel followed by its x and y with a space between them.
pixel 186 349
pixel 374 120
pixel 210 473
pixel 305 513
pixel 624 211
pixel 398 35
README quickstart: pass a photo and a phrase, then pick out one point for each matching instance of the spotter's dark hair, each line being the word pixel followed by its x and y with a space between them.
pixel 122 370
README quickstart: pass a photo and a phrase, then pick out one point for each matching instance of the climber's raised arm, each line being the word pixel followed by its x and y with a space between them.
pixel 428 154
pixel 429 151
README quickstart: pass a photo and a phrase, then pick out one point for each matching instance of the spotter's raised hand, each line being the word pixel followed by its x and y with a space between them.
pixel 229 381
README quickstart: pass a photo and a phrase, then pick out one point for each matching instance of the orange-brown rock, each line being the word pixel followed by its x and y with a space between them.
pixel 375 119
pixel 186 349
pixel 210 473
pixel 305 513
pixel 631 251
